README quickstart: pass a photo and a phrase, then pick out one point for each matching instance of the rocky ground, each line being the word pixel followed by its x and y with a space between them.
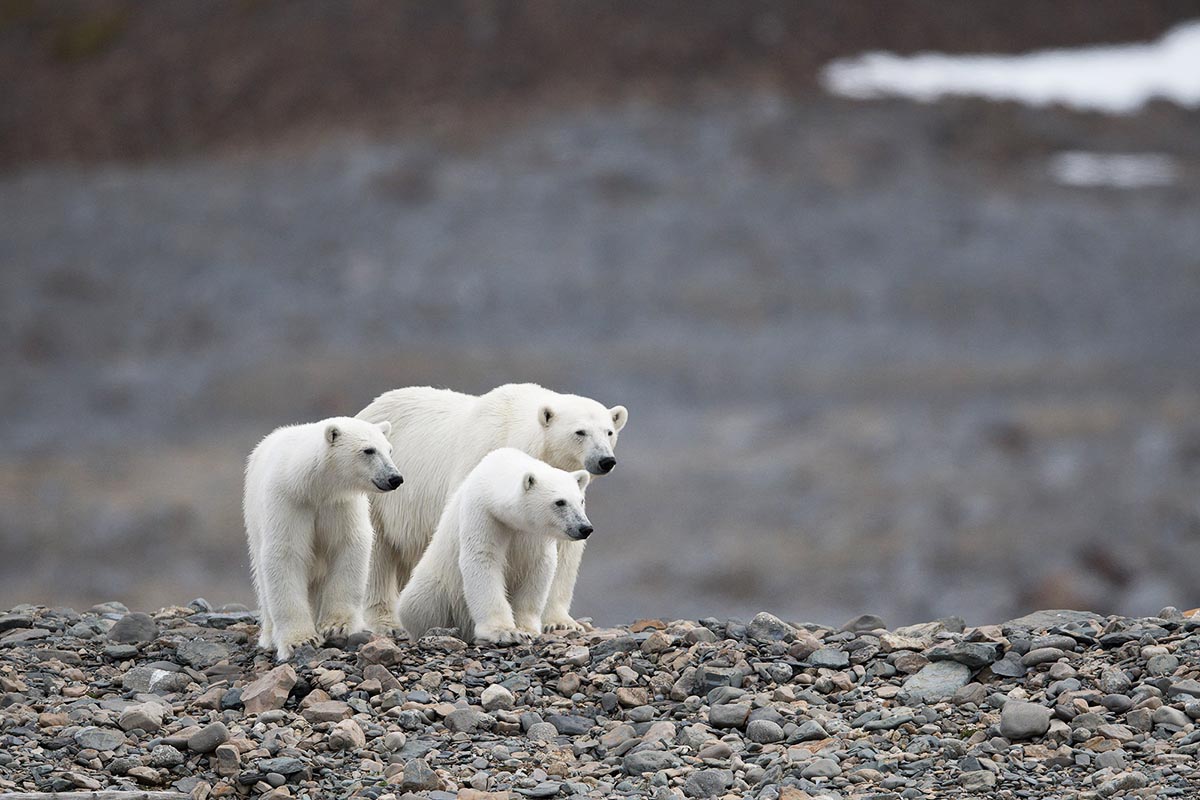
pixel 181 703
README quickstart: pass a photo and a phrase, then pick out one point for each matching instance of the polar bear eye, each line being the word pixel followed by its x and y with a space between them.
pixel 370 451
pixel 581 433
pixel 560 503
pixel 610 433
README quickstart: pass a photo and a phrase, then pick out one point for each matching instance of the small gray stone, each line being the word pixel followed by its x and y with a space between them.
pixel 1114 681
pixel 710 677
pixel 570 725
pixel 1168 717
pixel 766 628
pixel 200 653
pixel 809 731
pixel 822 768
pixel 542 732
pixel 1042 655
pixel 419 776
pixel 496 697
pixel 728 716
pixel 830 658
pixel 708 783
pixel 1188 688
pixel 1122 783
pixel 1010 666
pixel 863 623
pixel 120 652
pixel 1111 759
pixel 156 680
pixel 165 756
pixel 977 780
pixel 134 628
pixel 543 789
pixel 764 731
pixel 282 765
pixel 717 750
pixel 648 761
pixel 209 738
pixel 99 738
pixel 1161 665
pixel 469 719
pixel 143 716
pixel 972 654
pixel 1020 720
pixel 936 681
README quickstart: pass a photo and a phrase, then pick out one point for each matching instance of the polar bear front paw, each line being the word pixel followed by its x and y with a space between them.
pixel 339 626
pixel 563 624
pixel 286 644
pixel 502 636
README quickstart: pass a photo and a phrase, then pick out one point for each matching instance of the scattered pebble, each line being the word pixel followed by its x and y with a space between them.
pixel 1053 704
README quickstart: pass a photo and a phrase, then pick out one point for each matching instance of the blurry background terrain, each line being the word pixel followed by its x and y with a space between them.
pixel 877 356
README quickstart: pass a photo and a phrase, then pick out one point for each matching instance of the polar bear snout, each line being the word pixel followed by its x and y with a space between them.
pixel 387 483
pixel 582 532
pixel 601 465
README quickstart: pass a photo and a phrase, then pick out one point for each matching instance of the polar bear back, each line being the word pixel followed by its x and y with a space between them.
pixel 442 435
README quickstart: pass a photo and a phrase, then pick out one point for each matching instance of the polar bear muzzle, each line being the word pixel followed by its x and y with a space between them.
pixel 600 462
pixel 387 483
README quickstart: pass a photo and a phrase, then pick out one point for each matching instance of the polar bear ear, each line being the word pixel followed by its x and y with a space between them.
pixel 582 477
pixel 332 432
pixel 545 414
pixel 619 416
pixel 529 481
pixel 386 427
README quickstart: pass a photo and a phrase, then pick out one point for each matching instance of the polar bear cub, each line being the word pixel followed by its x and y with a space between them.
pixel 443 435
pixel 489 568
pixel 309 528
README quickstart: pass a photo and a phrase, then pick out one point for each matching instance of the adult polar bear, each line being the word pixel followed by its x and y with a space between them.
pixel 443 435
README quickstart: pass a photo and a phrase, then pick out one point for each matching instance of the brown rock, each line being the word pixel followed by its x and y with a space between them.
pixel 211 699
pixel 145 775
pixel 347 735
pixel 328 711
pixel 229 761
pixel 380 651
pixel 647 625
pixel 378 672
pixel 269 691
pixel 632 696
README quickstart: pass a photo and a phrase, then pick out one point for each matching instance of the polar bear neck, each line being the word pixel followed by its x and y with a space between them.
pixel 512 413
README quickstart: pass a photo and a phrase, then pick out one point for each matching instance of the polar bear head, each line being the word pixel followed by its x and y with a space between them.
pixel 552 503
pixel 361 454
pixel 580 433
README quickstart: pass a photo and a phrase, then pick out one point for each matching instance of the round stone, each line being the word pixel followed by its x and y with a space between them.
pixel 764 731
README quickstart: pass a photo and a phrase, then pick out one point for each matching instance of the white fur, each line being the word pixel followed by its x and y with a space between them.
pixel 309 528
pixel 492 560
pixel 443 435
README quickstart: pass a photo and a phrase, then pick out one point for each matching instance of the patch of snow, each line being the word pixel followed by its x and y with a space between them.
pixel 1114 79
pixel 1115 170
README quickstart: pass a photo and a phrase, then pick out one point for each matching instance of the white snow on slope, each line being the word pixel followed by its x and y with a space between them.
pixel 1114 170
pixel 1115 79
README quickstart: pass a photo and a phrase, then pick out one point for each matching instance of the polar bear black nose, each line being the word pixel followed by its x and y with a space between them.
pixel 585 531
pixel 395 480
pixel 606 464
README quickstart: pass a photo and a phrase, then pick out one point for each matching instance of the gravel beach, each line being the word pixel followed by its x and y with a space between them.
pixel 180 703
